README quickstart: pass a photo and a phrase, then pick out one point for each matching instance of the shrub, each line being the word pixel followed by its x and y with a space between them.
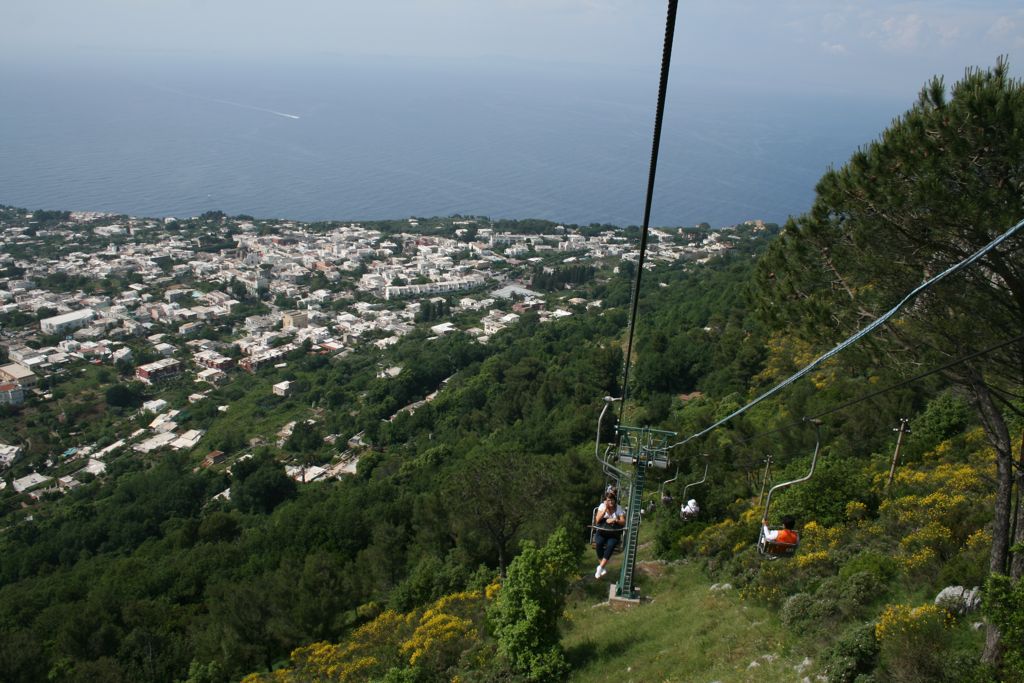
pixel 970 566
pixel 945 416
pixel 798 611
pixel 524 616
pixel 853 656
pixel 1004 605
pixel 768 582
pixel 855 590
pixel 881 568
pixel 726 538
pixel 912 642
pixel 824 498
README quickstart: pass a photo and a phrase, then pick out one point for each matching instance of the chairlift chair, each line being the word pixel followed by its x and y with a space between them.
pixel 772 549
pixel 613 473
pixel 607 530
pixel 689 516
pixel 664 496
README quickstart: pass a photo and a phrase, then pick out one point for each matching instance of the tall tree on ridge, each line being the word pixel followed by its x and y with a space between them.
pixel 945 179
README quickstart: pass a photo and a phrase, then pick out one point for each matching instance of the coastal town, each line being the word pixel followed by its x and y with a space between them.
pixel 147 304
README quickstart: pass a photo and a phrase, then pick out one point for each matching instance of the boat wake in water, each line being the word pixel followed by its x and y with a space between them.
pixel 230 103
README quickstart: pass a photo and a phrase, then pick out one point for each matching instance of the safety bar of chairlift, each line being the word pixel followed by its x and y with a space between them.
pixel 814 461
pixel 696 483
pixel 632 459
pixel 661 489
pixel 606 465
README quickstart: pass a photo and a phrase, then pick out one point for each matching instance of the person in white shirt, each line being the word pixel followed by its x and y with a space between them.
pixel 610 519
pixel 690 510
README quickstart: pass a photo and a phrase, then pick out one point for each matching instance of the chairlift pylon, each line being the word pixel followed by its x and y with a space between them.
pixel 644 449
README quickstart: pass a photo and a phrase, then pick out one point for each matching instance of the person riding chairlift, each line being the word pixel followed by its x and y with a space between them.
pixel 610 520
pixel 690 510
pixel 781 540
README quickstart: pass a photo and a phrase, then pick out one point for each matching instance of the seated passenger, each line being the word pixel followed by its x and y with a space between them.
pixel 689 510
pixel 780 540
pixel 610 519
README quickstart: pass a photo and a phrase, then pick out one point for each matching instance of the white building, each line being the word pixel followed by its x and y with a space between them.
pixel 156 406
pixel 8 454
pixel 60 324
pixel 18 373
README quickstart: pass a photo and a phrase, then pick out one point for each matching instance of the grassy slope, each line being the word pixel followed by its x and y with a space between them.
pixel 685 633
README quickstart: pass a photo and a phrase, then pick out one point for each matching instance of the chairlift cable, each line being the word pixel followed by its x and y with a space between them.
pixel 857 336
pixel 891 387
pixel 666 58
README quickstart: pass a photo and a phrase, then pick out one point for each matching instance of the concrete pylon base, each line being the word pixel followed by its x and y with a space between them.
pixel 621 602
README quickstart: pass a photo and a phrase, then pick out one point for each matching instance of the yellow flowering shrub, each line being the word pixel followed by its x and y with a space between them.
pixel 941 451
pixel 444 630
pixel 913 642
pixel 917 560
pixel 916 511
pixel 786 353
pixel 761 593
pixel 976 437
pixel 932 535
pixel 902 620
pixel 871 528
pixel 751 516
pixel 958 478
pixel 979 540
pixel 815 537
pixel 908 479
pixel 805 560
pixel 455 603
pixel 438 640
pixel 725 535
pixel 821 380
pixel 431 639
pixel 855 510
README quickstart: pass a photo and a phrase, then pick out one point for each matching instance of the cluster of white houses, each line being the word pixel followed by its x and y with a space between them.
pixel 302 266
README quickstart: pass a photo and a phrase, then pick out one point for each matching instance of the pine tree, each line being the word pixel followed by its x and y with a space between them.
pixel 945 179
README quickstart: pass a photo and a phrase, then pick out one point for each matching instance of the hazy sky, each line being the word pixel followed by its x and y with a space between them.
pixel 877 46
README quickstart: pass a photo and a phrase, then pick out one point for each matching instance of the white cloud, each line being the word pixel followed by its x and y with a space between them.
pixel 1003 27
pixel 833 22
pixel 948 33
pixel 902 33
pixel 833 48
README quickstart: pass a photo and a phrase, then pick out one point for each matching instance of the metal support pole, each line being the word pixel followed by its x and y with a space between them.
pixel 903 429
pixel 764 481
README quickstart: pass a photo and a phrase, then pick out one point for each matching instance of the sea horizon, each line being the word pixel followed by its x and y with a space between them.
pixel 387 139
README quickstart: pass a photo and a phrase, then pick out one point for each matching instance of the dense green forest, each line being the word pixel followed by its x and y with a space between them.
pixel 452 551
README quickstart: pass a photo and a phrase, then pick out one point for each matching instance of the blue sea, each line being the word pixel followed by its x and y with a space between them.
pixel 359 140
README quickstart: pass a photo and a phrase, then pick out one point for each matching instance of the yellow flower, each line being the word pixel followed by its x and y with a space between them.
pixel 901 620
pixel 856 510
pixel 433 633
pixel 931 535
pixel 804 560
pixel 980 539
pixel 918 559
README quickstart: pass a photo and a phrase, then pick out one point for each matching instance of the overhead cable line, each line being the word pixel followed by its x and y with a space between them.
pixel 911 380
pixel 860 334
pixel 891 387
pixel 666 59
